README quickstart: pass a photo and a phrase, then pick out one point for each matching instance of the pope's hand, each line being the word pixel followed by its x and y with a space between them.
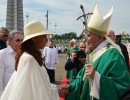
pixel 90 71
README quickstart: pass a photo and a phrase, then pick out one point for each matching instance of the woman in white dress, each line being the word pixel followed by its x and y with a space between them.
pixel 30 80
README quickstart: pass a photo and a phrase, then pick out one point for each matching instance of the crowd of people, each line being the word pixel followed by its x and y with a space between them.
pixel 27 64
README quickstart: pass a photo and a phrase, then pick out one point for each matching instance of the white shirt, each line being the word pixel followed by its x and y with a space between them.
pixel 7 66
pixel 51 57
pixel 30 82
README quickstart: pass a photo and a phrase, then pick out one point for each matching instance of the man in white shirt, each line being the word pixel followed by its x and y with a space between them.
pixel 7 58
pixel 51 58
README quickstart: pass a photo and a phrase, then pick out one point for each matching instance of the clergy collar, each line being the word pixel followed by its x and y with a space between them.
pixel 103 44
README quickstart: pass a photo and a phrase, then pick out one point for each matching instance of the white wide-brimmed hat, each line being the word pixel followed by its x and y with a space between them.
pixel 33 29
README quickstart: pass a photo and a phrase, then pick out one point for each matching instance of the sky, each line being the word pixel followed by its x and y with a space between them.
pixel 62 14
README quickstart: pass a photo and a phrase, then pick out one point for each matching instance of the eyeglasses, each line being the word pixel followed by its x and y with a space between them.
pixel 18 40
pixel 4 35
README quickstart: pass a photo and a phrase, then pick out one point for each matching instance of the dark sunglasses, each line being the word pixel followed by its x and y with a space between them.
pixel 18 40
pixel 4 35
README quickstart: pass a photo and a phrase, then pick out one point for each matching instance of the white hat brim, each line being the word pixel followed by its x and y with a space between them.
pixel 45 32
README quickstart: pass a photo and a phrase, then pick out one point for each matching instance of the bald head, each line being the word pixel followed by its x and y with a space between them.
pixel 111 35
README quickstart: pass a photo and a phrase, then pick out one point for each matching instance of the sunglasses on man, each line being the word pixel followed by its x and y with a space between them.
pixel 5 35
pixel 18 40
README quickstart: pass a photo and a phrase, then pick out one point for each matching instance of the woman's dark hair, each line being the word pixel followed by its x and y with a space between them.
pixel 29 47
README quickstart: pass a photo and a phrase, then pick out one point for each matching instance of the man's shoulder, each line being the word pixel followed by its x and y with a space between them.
pixel 1 41
pixel 4 50
pixel 107 50
pixel 46 47
pixel 2 44
pixel 122 46
pixel 112 51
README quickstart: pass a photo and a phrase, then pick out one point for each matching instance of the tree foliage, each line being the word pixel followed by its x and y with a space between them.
pixel 125 37
pixel 65 36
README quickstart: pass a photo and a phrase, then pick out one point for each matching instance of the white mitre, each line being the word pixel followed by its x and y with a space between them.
pixel 98 24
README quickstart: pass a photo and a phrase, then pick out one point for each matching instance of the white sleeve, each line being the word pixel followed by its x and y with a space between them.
pixel 1 74
pixel 54 91
pixel 57 59
pixel 95 87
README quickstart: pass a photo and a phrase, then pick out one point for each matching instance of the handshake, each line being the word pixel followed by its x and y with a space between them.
pixel 63 90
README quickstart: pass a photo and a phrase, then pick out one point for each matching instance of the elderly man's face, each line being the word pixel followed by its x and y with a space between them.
pixel 111 35
pixel 71 43
pixel 93 40
pixel 15 41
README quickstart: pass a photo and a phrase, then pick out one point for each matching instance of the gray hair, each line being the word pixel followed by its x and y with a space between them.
pixel 12 33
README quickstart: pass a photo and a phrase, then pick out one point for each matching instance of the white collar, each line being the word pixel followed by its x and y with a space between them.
pixel 10 49
pixel 103 44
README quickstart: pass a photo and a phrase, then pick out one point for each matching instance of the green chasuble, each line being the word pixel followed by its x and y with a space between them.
pixel 114 77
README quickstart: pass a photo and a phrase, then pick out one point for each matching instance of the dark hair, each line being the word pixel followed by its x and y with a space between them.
pixel 29 47
pixel 3 29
